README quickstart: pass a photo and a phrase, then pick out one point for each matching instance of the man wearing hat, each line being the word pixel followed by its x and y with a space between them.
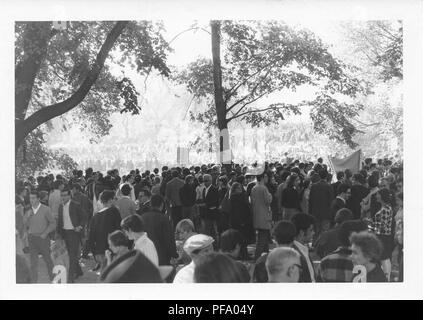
pixel 195 246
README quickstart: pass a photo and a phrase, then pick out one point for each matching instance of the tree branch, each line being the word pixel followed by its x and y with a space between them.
pixel 251 93
pixel 52 111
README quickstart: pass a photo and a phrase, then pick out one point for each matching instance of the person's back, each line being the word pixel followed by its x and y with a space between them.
pixel 172 191
pixel 320 198
pixel 327 242
pixel 126 207
pixel 103 223
pixel 358 193
pixel 159 231
pixel 337 266
pixel 260 203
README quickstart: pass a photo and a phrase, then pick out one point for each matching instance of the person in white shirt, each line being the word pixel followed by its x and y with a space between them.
pixel 133 226
pixel 196 246
pixel 54 199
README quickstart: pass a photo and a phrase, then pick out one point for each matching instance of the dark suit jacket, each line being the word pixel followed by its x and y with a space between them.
pixel 86 205
pixel 305 272
pixel 358 193
pixel 320 199
pixel 335 206
pixel 211 201
pixel 76 215
pixel 102 224
pixel 159 230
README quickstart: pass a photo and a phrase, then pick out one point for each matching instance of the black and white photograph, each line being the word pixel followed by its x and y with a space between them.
pixel 181 148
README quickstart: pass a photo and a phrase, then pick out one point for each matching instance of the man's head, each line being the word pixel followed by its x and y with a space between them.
pixel 132 226
pixel 144 195
pixel 304 225
pixel 283 265
pixel 323 174
pixel 366 248
pixel 157 201
pixel 347 228
pixel 231 242
pixel 197 245
pixel 58 185
pixel 65 194
pixel 263 178
pixel 342 215
pixel 107 198
pixel 34 199
pixel 344 191
pixel 189 179
pixel 207 179
pixel 126 190
pixel 284 232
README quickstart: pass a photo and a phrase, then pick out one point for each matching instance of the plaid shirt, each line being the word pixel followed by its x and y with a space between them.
pixel 382 223
pixel 337 267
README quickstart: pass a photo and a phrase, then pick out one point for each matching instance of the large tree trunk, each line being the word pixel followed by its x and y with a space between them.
pixel 217 81
pixel 24 127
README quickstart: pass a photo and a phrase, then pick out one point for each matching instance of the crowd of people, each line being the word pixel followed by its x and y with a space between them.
pixel 217 223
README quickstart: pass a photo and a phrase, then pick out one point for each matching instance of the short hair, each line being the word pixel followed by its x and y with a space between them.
pixel 156 200
pixel 57 184
pixel 342 215
pixel 323 174
pixel 126 190
pixel 369 244
pixel 230 238
pixel 218 268
pixel 146 191
pixel 185 225
pixel 67 190
pixel 118 239
pixel 35 193
pixel 343 187
pixel 277 258
pixel 77 186
pixel 302 221
pixel 340 175
pixel 133 223
pixel 360 178
pixel 284 232
pixel 373 181
pixel 175 173
pixel 320 160
pixel 156 170
pixel 347 228
pixel 189 178
pixel 106 196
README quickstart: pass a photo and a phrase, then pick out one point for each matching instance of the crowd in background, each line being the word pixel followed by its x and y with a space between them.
pixel 292 222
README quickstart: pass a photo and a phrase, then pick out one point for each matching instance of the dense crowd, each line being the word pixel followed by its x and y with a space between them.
pixel 289 222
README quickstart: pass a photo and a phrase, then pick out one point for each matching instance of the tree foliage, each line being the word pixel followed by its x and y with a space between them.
pixel 57 70
pixel 265 58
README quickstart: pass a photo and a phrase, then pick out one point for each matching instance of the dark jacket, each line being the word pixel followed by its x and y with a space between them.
pixel 86 205
pixel 212 203
pixel 320 199
pixel 102 224
pixel 291 198
pixel 327 243
pixel 76 215
pixel 159 230
pixel 358 193
pixel 336 205
pixel 188 195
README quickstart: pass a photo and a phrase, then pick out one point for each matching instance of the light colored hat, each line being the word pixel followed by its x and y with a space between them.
pixel 198 241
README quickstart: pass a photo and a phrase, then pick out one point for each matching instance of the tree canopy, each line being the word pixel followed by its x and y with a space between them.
pixel 59 69
pixel 263 58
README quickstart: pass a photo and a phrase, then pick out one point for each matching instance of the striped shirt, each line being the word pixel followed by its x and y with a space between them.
pixel 337 267
pixel 146 246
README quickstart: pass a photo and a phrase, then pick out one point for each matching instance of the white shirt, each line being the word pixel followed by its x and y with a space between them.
pixel 146 246
pixel 67 222
pixel 186 274
pixel 207 190
pixel 304 251
pixel 35 210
